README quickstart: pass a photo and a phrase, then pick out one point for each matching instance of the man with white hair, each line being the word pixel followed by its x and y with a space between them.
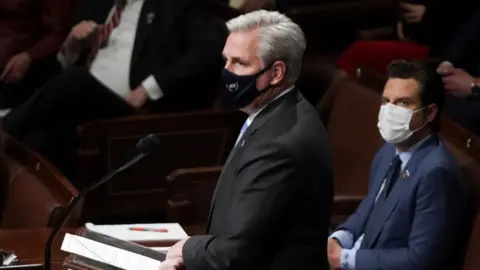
pixel 271 206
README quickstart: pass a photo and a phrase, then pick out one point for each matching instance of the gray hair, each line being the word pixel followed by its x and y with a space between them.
pixel 280 39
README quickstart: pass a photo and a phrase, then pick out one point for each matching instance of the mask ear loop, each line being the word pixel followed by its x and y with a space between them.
pixel 260 73
pixel 424 122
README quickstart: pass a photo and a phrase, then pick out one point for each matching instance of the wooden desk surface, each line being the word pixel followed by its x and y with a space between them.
pixel 29 245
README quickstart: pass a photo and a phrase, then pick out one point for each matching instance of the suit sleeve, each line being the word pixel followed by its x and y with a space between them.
pixel 266 188
pixel 439 208
pixel 356 222
pixel 204 39
pixel 464 43
pixel 55 26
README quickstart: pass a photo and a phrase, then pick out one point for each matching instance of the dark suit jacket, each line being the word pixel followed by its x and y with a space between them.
pixel 440 23
pixel 182 47
pixel 34 26
pixel 463 50
pixel 271 207
pixel 421 219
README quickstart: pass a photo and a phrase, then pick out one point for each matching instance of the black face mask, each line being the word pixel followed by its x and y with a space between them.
pixel 241 90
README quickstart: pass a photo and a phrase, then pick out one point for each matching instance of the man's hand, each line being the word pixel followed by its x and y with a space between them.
pixel 171 264
pixel 84 30
pixel 175 251
pixel 445 68
pixel 16 68
pixel 400 34
pixel 333 253
pixel 138 97
pixel 174 259
pixel 458 83
pixel 413 13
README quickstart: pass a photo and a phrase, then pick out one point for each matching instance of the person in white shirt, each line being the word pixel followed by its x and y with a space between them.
pixel 165 53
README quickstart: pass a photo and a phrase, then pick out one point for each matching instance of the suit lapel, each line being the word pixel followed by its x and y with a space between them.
pixel 147 19
pixel 278 105
pixel 401 186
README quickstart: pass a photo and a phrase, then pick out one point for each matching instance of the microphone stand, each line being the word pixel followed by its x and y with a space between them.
pixel 71 207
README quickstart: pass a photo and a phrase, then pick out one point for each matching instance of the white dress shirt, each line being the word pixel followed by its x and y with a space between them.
pixel 252 116
pixel 111 65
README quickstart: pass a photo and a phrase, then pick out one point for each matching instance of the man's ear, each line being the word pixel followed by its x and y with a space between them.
pixel 279 68
pixel 432 111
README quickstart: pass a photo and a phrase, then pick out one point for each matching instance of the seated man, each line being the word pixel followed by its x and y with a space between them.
pixel 412 216
pixel 461 76
pixel 271 207
pixel 31 32
pixel 166 52
pixel 422 31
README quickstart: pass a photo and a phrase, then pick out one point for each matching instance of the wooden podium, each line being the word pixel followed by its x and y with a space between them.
pixel 76 262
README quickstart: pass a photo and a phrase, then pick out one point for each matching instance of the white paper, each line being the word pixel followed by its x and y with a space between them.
pixel 107 254
pixel 9 260
pixel 123 232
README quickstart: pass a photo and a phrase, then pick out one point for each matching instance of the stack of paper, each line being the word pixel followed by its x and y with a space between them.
pixel 158 232
pixel 107 254
pixel 7 258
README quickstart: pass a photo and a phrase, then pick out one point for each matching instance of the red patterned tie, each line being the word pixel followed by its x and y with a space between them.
pixel 106 30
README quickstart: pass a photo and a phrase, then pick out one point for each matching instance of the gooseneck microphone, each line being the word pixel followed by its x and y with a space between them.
pixel 143 148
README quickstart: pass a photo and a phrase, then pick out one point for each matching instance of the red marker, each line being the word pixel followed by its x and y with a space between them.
pixel 138 229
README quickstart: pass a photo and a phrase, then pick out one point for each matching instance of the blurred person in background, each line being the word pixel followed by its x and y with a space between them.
pixel 423 30
pixel 460 70
pixel 31 33
pixel 145 55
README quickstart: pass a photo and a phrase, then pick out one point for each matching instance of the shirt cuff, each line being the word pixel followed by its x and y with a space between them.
pixel 344 237
pixel 154 91
pixel 347 259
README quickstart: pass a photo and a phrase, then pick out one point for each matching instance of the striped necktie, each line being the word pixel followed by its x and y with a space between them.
pixel 106 30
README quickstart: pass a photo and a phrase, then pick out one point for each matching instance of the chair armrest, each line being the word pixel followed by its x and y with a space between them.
pixel 381 33
pixel 371 79
pixel 343 207
pixel 345 204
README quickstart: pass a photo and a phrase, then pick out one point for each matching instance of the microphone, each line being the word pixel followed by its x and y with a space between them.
pixel 143 148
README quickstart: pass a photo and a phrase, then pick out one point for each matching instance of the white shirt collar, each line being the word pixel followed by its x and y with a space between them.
pixel 252 116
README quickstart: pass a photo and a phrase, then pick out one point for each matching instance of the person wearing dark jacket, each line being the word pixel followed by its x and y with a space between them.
pixel 423 30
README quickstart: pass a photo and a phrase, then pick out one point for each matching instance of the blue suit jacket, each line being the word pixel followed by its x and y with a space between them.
pixel 422 216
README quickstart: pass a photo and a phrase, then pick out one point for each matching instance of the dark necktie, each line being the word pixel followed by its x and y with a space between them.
pixel 390 180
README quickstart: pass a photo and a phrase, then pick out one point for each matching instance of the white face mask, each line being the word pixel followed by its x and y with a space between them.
pixel 394 123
